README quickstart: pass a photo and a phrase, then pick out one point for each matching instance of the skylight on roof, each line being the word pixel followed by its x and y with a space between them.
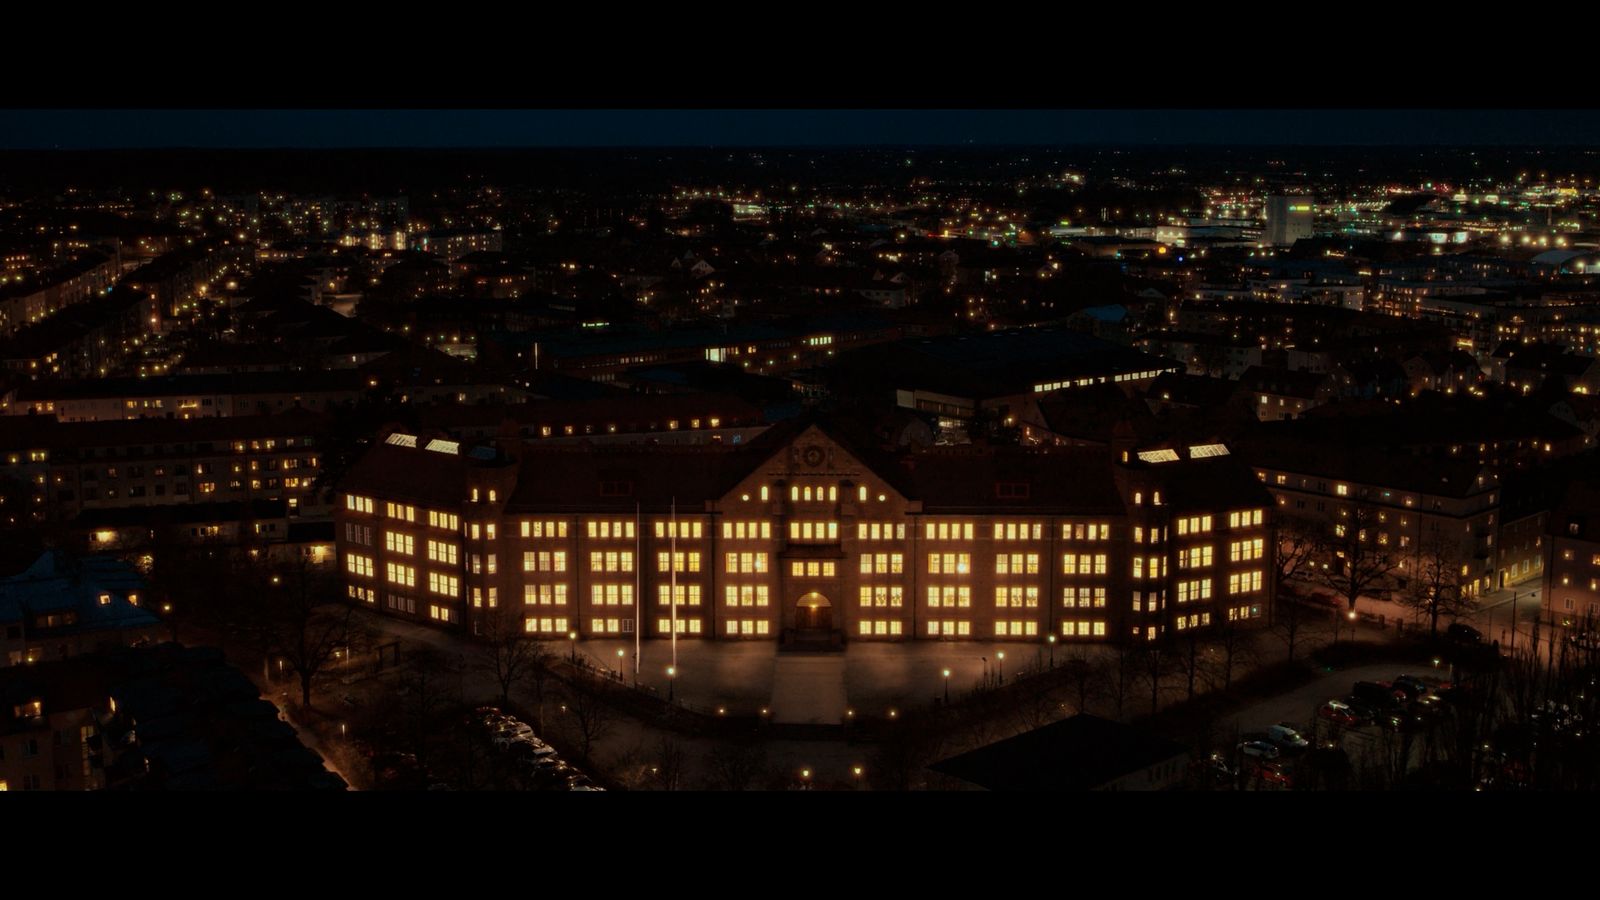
pixel 1204 450
pixel 450 447
pixel 403 440
pixel 1158 456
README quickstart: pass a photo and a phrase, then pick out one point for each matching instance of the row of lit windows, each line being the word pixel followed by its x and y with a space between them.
pixel 1189 591
pixel 611 561
pixel 947 628
pixel 398 543
pixel 1194 620
pixel 798 493
pixel 544 529
pixel 1239 613
pixel 610 626
pixel 1239 551
pixel 882 564
pixel 357 504
pixel 746 563
pixel 363 593
pixel 1155 535
pixel 882 595
pixel 1086 532
pixel 475 530
pixel 1083 564
pixel 1154 567
pixel 1016 595
pixel 611 594
pixel 544 561
pixel 1019 531
pixel 478 597
pixel 1016 629
pixel 880 627
pixel 447 585
pixel 443 614
pixel 689 530
pixel 1194 525
pixel 448 521
pixel 1017 564
pixel 950 595
pixel 949 563
pixel 813 568
pixel 1083 597
pixel 399 574
pixel 746 531
pixel 609 529
pixel 749 626
pixel 438 551
pixel 880 531
pixel 745 595
pixel 948 531
pixel 1194 557
pixel 688 594
pixel 682 562
pixel 1244 518
pixel 1083 629
pixel 357 564
pixel 401 511
pixel 477 564
pixel 1244 582
pixel 685 626
pixel 544 594
pixel 546 625
pixel 813 531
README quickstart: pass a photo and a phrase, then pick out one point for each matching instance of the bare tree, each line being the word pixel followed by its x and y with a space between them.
pixel 1236 646
pixel 294 615
pixel 507 655
pixel 588 713
pixel 735 764
pixel 1190 659
pixel 1085 674
pixel 429 684
pixel 1124 670
pixel 1433 589
pixel 1154 661
pixel 1361 561
pixel 671 764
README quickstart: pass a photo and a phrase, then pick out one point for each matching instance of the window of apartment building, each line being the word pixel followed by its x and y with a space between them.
pixel 1244 582
pixel 949 563
pixel 688 594
pixel 1083 597
pixel 1016 564
pixel 746 531
pixel 1083 564
pixel 881 595
pixel 745 595
pixel 746 563
pixel 544 595
pixel 1194 557
pixel 880 628
pixel 882 563
pixel 611 561
pixel 682 530
pixel 357 564
pixel 611 594
pixel 1194 525
pixel 948 531
pixel 949 595
pixel 880 531
pixel 398 543
pixel 681 562
pixel 1239 551
pixel 1016 595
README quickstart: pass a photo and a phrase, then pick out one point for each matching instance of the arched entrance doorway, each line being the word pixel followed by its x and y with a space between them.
pixel 813 612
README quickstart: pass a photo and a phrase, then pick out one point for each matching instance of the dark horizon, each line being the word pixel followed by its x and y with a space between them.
pixel 658 129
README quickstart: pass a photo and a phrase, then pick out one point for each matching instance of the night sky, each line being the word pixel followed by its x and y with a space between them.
pixel 97 129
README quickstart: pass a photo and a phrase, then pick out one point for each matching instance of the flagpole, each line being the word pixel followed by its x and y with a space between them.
pixel 672 566
pixel 638 584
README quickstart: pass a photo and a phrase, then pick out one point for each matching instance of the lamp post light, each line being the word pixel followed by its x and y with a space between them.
pixel 1352 617
pixel 856 771
pixel 672 676
pixel 1051 640
pixel 619 664
pixel 572 636
pixel 1001 656
pixel 947 687
pixel 805 779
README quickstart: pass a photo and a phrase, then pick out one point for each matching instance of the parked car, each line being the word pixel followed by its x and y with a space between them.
pixel 1380 694
pixel 1258 750
pixel 1362 710
pixel 1271 773
pixel 1339 713
pixel 1287 739
pixel 1413 686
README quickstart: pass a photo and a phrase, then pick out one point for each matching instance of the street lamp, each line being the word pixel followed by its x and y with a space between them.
pixel 672 674
pixel 856 771
pixel 1051 640
pixel 1352 616
pixel 619 665
pixel 1001 656
pixel 947 687
pixel 573 637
